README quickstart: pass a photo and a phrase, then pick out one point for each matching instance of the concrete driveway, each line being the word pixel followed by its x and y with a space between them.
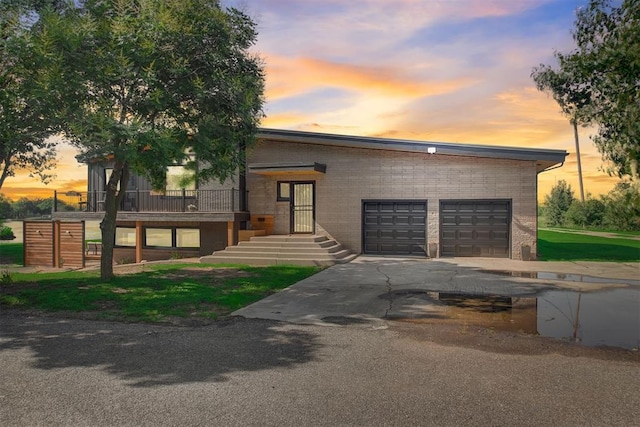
pixel 375 288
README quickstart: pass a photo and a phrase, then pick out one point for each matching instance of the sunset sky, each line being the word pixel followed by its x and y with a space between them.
pixel 432 70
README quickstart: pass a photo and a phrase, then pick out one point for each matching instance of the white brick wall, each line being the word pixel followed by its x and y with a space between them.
pixel 356 174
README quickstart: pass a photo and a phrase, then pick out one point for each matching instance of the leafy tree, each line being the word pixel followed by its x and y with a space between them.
pixel 6 210
pixel 25 208
pixel 557 203
pixel 597 82
pixel 622 210
pixel 586 214
pixel 23 127
pixel 150 83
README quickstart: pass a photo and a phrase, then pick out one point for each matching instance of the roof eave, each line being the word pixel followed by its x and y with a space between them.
pixel 469 150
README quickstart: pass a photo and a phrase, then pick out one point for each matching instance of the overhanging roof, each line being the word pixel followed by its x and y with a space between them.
pixel 287 168
pixel 544 158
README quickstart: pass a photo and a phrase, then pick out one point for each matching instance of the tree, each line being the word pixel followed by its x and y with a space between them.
pixel 557 203
pixel 6 210
pixel 622 211
pixel 597 82
pixel 23 127
pixel 586 214
pixel 25 208
pixel 150 83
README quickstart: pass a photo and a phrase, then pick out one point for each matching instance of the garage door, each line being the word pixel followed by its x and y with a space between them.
pixel 394 227
pixel 475 228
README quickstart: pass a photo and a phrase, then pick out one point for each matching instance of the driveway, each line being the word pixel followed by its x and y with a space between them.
pixel 373 289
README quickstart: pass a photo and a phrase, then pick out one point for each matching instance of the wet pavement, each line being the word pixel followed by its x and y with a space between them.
pixel 602 318
pixel 568 301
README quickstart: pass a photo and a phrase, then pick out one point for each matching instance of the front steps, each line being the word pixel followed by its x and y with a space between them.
pixel 280 250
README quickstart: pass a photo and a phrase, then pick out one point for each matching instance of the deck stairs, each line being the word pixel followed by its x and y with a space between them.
pixel 283 250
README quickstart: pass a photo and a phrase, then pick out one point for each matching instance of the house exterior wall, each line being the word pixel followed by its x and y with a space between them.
pixel 354 175
pixel 213 237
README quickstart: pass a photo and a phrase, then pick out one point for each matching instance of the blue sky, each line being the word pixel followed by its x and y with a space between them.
pixel 436 70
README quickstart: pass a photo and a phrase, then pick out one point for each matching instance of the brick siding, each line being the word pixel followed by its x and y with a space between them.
pixel 356 174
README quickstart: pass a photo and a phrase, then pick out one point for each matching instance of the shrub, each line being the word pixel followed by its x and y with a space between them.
pixel 586 214
pixel 622 210
pixel 6 233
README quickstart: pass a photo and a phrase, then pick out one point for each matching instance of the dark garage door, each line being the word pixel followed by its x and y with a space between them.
pixel 394 227
pixel 475 228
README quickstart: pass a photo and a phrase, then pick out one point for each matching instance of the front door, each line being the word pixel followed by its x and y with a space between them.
pixel 302 207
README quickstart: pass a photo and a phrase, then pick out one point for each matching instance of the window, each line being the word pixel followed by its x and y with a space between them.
pixel 187 238
pixel 158 237
pixel 172 237
pixel 178 177
pixel 283 191
pixel 107 177
pixel 125 236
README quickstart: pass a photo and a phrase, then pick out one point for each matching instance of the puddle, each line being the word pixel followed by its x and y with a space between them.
pixel 603 318
pixel 562 276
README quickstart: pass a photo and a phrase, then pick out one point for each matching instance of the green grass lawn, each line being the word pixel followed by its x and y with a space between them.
pixel 11 253
pixel 154 295
pixel 558 246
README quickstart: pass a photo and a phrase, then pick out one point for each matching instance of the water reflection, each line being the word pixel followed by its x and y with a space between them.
pixel 595 318
pixel 610 317
pixel 545 275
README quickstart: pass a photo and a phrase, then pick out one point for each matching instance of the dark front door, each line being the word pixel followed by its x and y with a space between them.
pixel 302 207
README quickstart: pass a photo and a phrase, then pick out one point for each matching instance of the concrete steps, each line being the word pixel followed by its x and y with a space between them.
pixel 281 250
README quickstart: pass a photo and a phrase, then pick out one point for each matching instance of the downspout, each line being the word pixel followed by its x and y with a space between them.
pixel 552 168
pixel 544 170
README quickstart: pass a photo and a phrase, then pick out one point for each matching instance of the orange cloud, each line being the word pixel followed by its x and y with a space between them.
pixel 69 175
pixel 294 76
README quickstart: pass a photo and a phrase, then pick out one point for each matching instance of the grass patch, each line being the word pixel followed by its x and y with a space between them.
pixel 162 292
pixel 559 246
pixel 11 253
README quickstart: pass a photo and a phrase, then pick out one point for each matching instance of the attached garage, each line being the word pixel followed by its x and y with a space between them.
pixel 394 227
pixel 475 228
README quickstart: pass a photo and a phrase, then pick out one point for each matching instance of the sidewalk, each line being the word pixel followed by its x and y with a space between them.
pixel 611 270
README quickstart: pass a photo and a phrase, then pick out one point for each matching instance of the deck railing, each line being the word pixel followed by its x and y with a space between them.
pixel 152 201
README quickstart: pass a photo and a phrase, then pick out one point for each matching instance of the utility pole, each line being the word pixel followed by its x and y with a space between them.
pixel 575 133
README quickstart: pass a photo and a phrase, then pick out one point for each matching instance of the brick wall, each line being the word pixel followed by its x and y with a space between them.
pixel 356 174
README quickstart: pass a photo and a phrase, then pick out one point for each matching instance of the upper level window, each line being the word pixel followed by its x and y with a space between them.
pixel 107 176
pixel 179 177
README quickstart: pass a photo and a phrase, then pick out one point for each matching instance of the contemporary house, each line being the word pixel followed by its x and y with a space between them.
pixel 372 195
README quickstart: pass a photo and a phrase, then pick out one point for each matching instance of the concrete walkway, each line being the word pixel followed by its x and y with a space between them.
pixel 361 289
pixel 606 234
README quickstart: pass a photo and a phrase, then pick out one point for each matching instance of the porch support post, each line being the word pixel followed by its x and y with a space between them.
pixel 138 241
pixel 231 235
pixel 56 244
